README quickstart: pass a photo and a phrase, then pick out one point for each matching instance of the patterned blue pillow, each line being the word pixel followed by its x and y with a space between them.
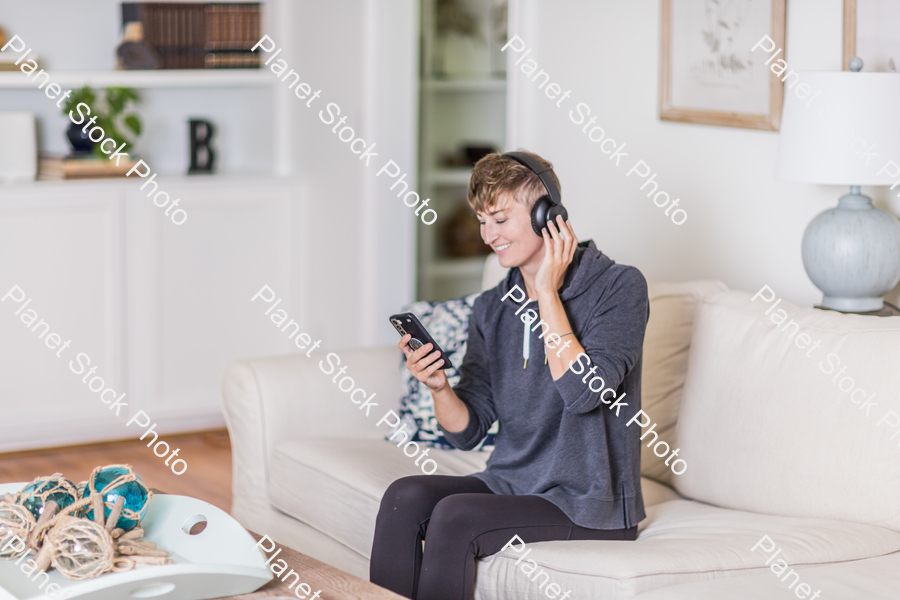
pixel 448 324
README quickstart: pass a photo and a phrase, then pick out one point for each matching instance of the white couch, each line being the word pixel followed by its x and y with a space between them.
pixel 773 447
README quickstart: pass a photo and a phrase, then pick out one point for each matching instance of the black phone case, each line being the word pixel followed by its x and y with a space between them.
pixel 408 323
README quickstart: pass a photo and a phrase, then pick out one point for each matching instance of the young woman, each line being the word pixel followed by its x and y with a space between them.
pixel 564 465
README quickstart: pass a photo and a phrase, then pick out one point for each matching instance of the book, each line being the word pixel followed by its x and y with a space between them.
pixel 192 35
pixel 8 60
pixel 56 168
pixel 231 31
pixel 223 59
pixel 232 26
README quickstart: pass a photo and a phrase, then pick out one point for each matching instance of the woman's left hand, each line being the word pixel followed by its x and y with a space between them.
pixel 559 248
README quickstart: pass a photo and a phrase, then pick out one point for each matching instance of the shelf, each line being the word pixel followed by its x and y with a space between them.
pixel 449 177
pixel 464 85
pixel 229 180
pixel 164 78
pixel 455 267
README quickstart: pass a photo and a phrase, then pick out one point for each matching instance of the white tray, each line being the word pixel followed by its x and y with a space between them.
pixel 223 560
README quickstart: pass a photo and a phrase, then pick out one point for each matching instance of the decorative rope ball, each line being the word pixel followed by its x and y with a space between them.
pixel 15 521
pixel 44 489
pixel 82 549
pixel 116 481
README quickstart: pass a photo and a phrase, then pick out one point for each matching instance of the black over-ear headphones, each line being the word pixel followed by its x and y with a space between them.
pixel 547 207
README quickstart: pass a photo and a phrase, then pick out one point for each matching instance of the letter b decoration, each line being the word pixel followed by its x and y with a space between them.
pixel 202 155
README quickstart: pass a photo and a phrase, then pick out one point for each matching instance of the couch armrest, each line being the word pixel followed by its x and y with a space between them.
pixel 269 400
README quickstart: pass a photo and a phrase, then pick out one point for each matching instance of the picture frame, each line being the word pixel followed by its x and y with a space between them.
pixel 708 73
pixel 870 28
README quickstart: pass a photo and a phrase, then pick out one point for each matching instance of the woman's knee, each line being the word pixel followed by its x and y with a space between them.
pixel 459 513
pixel 407 492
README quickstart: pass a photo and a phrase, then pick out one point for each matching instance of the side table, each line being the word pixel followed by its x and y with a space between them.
pixel 889 310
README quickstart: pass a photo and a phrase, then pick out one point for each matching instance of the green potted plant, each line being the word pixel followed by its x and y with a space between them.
pixel 110 116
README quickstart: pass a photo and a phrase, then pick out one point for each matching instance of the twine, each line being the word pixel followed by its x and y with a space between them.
pixel 44 488
pixel 83 549
pixel 80 549
pixel 88 500
pixel 15 521
pixel 126 477
pixel 62 485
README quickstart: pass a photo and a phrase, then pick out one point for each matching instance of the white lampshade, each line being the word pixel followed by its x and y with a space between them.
pixel 811 149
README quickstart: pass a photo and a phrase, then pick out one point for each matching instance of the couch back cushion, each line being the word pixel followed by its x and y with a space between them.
pixel 767 426
pixel 493 273
pixel 666 345
pixel 448 324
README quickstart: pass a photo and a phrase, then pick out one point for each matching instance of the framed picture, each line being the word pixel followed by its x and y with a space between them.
pixel 870 32
pixel 708 72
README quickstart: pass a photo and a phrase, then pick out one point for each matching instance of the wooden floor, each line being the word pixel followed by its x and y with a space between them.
pixel 207 453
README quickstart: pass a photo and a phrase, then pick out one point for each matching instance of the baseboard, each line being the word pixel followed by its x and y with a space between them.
pixel 19 438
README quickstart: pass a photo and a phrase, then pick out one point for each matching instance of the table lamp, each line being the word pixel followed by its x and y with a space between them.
pixel 844 132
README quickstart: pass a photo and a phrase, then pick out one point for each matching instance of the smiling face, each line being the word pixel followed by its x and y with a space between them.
pixel 506 227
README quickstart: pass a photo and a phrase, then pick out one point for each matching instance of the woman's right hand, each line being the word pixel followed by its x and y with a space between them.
pixel 423 365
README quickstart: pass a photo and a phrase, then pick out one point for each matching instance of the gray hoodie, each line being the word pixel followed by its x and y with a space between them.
pixel 557 439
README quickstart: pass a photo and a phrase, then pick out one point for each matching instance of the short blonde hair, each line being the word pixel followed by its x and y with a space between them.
pixel 496 175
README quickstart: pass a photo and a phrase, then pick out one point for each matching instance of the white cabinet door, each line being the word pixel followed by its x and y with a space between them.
pixel 190 287
pixel 158 309
pixel 62 246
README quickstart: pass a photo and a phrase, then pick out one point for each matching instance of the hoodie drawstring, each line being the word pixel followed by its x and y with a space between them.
pixel 526 345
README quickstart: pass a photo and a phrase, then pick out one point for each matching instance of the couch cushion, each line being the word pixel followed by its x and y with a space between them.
pixel 666 345
pixel 872 579
pixel 764 428
pixel 680 542
pixel 336 486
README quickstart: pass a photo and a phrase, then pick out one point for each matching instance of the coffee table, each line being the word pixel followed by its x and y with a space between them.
pixel 334 583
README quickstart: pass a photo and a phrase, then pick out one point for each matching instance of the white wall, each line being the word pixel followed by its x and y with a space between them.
pixel 363 55
pixel 743 226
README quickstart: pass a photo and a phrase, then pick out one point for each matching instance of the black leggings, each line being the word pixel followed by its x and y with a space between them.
pixel 462 520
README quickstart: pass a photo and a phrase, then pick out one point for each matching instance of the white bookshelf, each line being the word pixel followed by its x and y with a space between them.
pixel 465 85
pixel 468 268
pixel 163 308
pixel 175 78
pixel 447 177
pixel 247 140
pixel 146 298
pixel 453 111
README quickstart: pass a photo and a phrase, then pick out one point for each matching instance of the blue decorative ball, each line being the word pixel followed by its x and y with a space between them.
pixel 34 495
pixel 134 492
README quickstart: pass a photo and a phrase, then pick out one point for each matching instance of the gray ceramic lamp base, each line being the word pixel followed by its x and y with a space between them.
pixel 852 253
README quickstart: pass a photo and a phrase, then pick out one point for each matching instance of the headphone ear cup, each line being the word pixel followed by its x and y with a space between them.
pixel 545 211
pixel 557 210
pixel 540 213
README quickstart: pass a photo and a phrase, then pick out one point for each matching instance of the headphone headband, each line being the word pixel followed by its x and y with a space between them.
pixel 540 171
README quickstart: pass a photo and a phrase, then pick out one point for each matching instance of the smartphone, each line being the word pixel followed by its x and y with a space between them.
pixel 407 323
